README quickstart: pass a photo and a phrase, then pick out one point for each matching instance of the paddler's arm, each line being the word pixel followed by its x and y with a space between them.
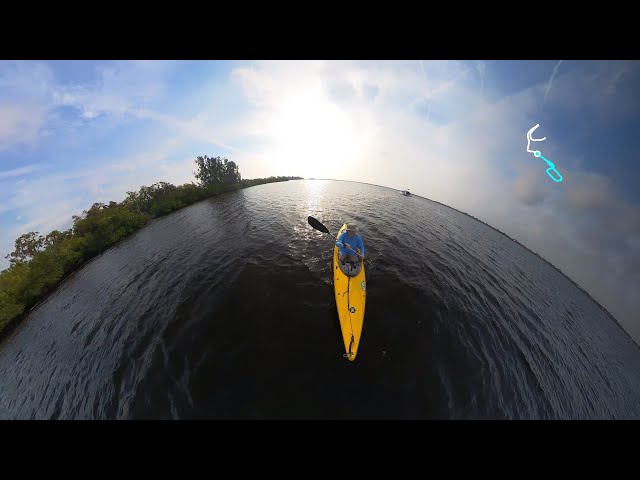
pixel 341 249
pixel 360 246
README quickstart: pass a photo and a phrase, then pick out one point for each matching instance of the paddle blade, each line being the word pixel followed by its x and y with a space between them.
pixel 317 225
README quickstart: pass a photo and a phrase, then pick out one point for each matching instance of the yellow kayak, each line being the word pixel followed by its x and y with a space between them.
pixel 351 295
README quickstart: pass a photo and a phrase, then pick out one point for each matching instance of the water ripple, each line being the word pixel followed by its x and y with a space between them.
pixel 225 309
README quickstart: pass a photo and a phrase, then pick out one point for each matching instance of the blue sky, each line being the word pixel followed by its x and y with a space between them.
pixel 76 132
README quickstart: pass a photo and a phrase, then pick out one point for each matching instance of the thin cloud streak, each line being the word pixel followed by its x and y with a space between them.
pixel 553 75
pixel 18 172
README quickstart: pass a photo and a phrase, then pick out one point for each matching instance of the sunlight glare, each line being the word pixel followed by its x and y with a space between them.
pixel 313 136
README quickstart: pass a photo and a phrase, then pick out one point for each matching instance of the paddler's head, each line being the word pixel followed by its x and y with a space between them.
pixel 351 229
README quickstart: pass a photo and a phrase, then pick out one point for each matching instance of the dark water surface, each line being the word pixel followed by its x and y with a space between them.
pixel 226 310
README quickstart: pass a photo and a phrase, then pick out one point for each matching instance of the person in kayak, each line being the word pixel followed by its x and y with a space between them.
pixel 350 240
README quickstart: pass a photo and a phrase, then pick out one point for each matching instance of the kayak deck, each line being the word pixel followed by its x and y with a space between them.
pixel 351 295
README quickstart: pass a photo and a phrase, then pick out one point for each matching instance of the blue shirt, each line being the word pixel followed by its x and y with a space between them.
pixel 355 242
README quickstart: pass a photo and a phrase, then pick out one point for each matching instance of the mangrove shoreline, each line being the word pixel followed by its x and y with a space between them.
pixel 41 264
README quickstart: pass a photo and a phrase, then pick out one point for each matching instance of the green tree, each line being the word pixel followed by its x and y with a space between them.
pixel 9 309
pixel 45 271
pixel 13 282
pixel 215 171
pixel 230 172
pixel 103 226
pixel 39 263
pixel 56 237
pixel 27 245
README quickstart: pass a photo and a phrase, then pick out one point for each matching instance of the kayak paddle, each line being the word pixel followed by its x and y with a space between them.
pixel 317 225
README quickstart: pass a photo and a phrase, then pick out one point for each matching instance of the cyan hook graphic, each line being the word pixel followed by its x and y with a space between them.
pixel 536 153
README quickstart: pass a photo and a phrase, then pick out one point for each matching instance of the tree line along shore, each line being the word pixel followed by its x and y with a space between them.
pixel 40 263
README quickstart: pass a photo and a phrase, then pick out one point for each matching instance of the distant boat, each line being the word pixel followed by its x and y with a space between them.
pixel 406 193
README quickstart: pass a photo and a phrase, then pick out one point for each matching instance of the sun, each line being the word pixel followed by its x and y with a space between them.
pixel 313 136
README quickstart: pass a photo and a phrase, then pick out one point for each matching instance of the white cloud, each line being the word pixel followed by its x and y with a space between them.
pixel 198 127
pixel 30 93
pixel 528 188
pixel 587 191
pixel 404 124
pixel 20 123
pixel 481 67
pixel 259 87
pixel 468 157
pixel 48 202
pixel 589 88
pixel 32 81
